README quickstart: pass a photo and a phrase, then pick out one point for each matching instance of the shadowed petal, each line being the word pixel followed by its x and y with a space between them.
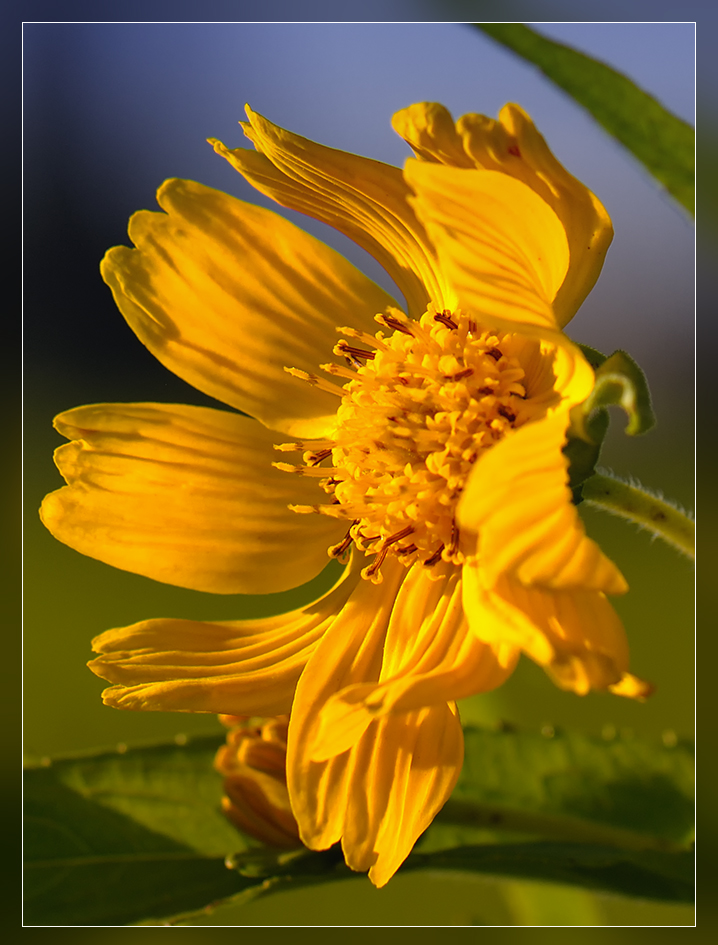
pixel 227 295
pixel 243 667
pixel 400 775
pixel 350 652
pixel 362 198
pixel 381 793
pixel 185 495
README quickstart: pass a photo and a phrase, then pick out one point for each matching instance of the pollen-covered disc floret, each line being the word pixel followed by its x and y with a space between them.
pixel 418 408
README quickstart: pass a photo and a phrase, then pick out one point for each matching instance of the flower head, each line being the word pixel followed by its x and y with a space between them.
pixel 427 455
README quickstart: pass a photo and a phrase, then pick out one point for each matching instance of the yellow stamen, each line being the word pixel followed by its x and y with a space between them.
pixel 419 409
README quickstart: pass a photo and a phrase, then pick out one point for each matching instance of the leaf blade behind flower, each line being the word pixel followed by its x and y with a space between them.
pixel 615 790
pixel 139 836
pixel 111 838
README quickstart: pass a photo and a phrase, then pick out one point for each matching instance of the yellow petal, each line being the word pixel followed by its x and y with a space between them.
pixel 349 652
pixel 430 657
pixel 185 495
pixel 502 247
pixel 632 688
pixel 513 146
pixel 416 760
pixel 362 198
pixel 518 502
pixel 383 792
pixel 420 785
pixel 575 635
pixel 227 294
pixel 380 796
pixel 429 129
pixel 244 667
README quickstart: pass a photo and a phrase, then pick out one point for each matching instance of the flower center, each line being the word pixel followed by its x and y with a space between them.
pixel 418 408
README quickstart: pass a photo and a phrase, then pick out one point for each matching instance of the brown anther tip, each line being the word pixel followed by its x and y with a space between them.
pixel 397 536
pixel 430 562
pixel 391 321
pixel 313 459
pixel 445 319
pixel 336 551
pixel 348 351
pixel 467 372
pixel 494 353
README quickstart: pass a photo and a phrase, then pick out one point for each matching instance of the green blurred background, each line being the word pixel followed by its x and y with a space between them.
pixel 113 109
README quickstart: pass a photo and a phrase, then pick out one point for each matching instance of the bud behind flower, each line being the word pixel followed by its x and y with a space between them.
pixel 253 763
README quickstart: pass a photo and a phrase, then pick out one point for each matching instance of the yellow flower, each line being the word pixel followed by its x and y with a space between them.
pixel 431 455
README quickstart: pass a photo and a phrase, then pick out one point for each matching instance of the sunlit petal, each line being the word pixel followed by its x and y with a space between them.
pixel 362 198
pixel 227 295
pixel 184 495
pixel 239 667
pixel 513 146
pixel 502 247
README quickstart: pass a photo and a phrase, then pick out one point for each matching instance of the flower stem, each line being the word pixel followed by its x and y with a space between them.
pixel 643 508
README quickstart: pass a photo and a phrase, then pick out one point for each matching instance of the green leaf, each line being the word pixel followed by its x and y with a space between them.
pixel 660 140
pixel 112 838
pixel 138 837
pixel 624 792
pixel 666 877
pixel 647 874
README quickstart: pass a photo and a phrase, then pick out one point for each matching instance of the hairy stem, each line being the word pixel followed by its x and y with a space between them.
pixel 643 508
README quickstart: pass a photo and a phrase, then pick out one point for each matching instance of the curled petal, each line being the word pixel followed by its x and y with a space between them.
pixel 362 198
pixel 518 502
pixel 574 634
pixel 243 667
pixel 227 294
pixel 185 495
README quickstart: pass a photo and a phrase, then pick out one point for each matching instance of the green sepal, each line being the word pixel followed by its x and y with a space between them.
pixel 619 383
pixel 592 355
pixel 583 455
